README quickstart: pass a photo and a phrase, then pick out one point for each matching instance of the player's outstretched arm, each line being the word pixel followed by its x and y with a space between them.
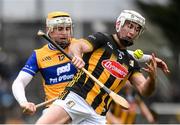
pixel 141 57
pixel 146 86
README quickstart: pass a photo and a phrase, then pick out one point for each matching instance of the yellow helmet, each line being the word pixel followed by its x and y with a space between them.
pixel 55 14
pixel 57 18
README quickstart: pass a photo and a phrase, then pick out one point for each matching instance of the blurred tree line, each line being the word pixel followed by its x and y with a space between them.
pixel 168 19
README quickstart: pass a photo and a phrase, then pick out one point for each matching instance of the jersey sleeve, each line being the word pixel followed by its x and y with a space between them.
pixel 31 65
pixel 97 40
pixel 136 66
pixel 135 69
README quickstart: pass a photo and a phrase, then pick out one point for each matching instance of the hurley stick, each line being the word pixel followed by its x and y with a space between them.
pixel 117 98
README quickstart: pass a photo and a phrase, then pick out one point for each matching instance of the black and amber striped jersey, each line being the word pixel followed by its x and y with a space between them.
pixel 108 64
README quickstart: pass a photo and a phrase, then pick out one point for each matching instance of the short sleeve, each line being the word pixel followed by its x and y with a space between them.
pixel 31 65
pixel 97 39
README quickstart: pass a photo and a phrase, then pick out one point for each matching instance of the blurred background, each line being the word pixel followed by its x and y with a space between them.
pixel 21 19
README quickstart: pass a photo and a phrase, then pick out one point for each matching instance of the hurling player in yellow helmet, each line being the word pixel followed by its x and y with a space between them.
pixel 58 21
pixel 55 68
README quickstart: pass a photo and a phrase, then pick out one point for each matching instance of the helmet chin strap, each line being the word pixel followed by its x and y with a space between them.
pixel 125 41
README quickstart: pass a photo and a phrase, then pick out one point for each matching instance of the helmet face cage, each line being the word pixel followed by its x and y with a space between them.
pixel 131 16
pixel 59 21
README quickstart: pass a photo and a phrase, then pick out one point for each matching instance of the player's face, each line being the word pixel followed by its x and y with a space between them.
pixel 130 30
pixel 61 33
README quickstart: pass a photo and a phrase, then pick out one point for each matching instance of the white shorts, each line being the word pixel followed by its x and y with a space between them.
pixel 79 111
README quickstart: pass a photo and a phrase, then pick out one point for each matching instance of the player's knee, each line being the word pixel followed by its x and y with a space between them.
pixel 54 115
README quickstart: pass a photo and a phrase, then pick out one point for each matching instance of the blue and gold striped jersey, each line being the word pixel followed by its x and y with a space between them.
pixel 55 67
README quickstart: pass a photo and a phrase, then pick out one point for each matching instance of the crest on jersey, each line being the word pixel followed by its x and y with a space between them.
pixel 115 68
